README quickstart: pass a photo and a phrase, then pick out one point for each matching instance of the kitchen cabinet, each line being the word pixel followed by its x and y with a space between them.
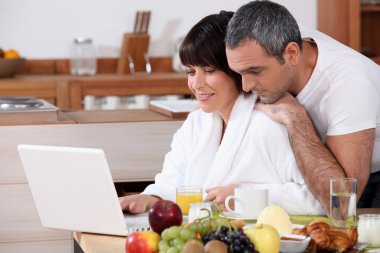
pixel 135 143
pixel 67 91
pixel 353 24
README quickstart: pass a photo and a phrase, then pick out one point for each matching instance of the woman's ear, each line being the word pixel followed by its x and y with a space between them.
pixel 292 53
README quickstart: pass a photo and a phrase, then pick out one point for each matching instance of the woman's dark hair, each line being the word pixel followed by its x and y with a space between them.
pixel 204 45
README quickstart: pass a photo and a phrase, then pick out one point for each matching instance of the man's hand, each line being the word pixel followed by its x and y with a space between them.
pixel 219 194
pixel 284 110
pixel 137 203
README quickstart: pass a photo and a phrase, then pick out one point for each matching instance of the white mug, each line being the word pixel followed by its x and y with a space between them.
pixel 249 201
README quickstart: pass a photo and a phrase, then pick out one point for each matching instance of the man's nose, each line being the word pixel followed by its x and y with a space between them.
pixel 248 84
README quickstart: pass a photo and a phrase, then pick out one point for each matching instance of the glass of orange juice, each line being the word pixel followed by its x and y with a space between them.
pixel 186 195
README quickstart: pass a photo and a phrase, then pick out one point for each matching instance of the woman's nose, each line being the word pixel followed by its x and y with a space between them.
pixel 197 82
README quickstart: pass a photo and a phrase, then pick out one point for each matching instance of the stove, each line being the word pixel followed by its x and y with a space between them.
pixel 22 104
pixel 26 110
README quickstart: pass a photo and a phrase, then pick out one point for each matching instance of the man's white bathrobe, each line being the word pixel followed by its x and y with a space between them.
pixel 254 150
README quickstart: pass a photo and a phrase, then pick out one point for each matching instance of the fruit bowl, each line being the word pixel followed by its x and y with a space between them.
pixel 10 67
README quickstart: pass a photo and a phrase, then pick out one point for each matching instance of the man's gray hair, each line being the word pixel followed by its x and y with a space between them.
pixel 270 24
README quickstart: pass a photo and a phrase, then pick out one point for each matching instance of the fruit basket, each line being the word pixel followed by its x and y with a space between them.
pixel 10 67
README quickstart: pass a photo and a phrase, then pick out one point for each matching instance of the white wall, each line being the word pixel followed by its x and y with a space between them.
pixel 45 28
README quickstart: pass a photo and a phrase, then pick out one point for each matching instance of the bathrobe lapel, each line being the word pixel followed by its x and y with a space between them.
pixel 212 160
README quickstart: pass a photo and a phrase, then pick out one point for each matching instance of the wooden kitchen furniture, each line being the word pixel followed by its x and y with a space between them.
pixel 127 85
pixel 128 137
pixel 353 24
pixel 67 91
pixel 49 88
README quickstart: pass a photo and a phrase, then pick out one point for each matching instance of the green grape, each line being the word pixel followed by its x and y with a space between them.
pixel 178 241
pixel 193 227
pixel 206 227
pixel 172 250
pixel 174 231
pixel 179 247
pixel 165 235
pixel 187 235
pixel 163 246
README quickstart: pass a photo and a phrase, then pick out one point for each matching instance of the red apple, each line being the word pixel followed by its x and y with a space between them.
pixel 142 242
pixel 164 214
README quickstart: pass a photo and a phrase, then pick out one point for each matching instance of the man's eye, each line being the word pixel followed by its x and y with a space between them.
pixel 190 72
pixel 255 72
pixel 209 71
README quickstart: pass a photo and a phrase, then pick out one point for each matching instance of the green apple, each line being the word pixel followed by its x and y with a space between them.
pixel 265 238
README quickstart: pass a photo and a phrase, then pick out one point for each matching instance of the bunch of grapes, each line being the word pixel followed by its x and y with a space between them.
pixel 235 239
pixel 173 239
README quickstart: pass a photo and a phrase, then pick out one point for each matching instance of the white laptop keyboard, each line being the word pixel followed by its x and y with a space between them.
pixel 137 222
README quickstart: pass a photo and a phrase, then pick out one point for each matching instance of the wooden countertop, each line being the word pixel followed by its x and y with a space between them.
pixel 82 117
pixel 101 77
pixel 94 243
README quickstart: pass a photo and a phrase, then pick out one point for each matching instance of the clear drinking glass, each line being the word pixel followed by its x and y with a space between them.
pixel 186 195
pixel 343 202
pixel 198 210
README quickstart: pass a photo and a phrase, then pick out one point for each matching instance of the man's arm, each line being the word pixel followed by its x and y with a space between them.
pixel 344 156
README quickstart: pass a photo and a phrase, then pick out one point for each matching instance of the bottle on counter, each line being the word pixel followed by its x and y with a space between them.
pixel 83 57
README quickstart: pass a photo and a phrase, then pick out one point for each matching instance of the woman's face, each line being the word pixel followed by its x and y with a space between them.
pixel 215 90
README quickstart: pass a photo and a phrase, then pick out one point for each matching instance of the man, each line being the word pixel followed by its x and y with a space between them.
pixel 326 94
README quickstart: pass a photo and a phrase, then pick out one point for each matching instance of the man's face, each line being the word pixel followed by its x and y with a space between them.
pixel 261 73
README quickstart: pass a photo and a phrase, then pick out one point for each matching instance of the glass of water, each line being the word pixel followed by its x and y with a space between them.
pixel 343 202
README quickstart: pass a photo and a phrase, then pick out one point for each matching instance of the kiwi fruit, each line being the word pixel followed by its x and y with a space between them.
pixel 216 246
pixel 193 246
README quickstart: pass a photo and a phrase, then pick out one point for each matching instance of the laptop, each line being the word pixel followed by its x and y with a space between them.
pixel 73 190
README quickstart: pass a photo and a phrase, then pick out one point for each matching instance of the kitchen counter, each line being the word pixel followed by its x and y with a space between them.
pixel 128 137
pixel 67 91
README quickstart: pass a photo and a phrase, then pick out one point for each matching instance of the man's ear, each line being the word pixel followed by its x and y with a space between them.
pixel 292 53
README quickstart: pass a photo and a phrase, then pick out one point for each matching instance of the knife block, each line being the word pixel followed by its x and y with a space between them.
pixel 135 45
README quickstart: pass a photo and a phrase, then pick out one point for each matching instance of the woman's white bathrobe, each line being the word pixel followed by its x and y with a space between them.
pixel 254 150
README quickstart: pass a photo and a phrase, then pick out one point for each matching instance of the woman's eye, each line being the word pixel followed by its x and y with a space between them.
pixel 209 71
pixel 190 72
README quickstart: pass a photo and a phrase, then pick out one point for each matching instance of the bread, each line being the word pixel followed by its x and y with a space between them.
pixel 325 237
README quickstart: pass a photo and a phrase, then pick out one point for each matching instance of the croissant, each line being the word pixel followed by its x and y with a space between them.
pixel 352 234
pixel 317 224
pixel 324 237
pixel 339 240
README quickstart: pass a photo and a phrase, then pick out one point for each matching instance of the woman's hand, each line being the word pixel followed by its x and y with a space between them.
pixel 137 203
pixel 219 194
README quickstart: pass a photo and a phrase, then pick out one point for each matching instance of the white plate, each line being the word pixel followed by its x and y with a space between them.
pixel 293 225
pixel 183 105
pixel 233 216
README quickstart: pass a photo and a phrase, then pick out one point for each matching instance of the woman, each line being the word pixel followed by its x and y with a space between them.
pixel 226 142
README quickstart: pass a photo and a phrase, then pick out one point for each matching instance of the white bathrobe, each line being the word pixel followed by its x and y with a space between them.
pixel 254 150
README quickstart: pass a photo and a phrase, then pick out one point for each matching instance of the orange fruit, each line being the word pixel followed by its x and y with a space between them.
pixel 11 54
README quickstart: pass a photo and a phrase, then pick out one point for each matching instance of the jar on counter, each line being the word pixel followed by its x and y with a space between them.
pixel 83 57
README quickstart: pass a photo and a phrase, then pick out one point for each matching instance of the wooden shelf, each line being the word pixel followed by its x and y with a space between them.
pixel 352 24
pixel 376 59
pixel 370 8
